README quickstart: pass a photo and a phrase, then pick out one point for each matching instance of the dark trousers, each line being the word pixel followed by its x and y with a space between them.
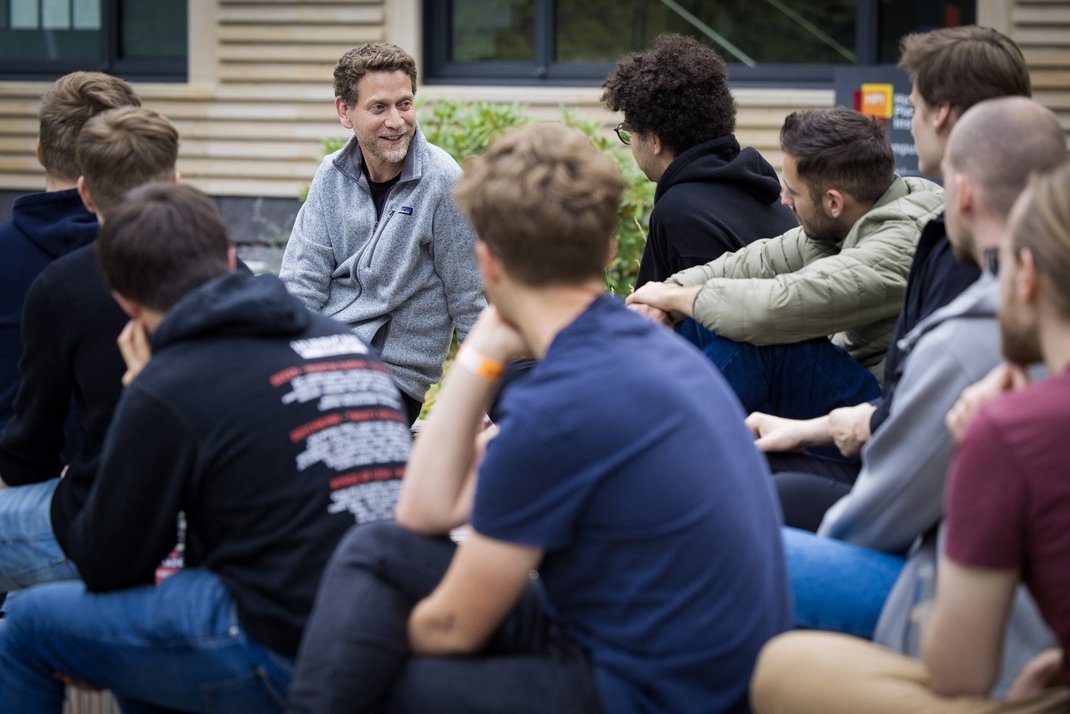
pixel 354 655
pixel 802 380
pixel 809 485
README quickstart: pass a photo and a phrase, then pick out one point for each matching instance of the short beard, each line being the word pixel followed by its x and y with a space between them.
pixel 1020 345
pixel 823 229
pixel 391 155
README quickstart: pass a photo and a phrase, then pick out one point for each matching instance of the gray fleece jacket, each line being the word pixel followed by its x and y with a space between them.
pixel 899 494
pixel 404 282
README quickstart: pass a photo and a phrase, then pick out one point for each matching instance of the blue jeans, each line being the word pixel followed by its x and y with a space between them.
pixel 838 586
pixel 797 381
pixel 177 646
pixel 29 553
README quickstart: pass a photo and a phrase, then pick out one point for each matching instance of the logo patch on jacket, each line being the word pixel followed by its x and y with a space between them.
pixel 407 210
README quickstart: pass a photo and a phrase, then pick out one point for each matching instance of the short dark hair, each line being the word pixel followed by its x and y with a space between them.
pixel 678 89
pixel 373 57
pixel 123 148
pixel 545 202
pixel 962 66
pixel 65 108
pixel 839 148
pixel 162 242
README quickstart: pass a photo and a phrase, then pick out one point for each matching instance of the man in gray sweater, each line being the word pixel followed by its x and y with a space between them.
pixel 380 244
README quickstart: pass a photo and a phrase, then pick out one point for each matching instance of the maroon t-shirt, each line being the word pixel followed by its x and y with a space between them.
pixel 1008 495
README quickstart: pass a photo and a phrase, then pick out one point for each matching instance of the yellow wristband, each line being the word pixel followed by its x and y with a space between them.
pixel 482 367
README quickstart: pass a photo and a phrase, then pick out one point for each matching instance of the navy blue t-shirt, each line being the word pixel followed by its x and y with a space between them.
pixel 625 457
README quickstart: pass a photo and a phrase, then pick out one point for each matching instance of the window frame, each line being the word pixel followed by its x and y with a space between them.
pixel 544 72
pixel 160 69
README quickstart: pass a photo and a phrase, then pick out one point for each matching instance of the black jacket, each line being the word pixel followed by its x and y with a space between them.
pixel 272 428
pixel 70 327
pixel 935 279
pixel 712 199
pixel 44 226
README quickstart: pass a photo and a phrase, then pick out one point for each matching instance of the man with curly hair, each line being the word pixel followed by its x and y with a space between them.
pixel 379 244
pixel 679 115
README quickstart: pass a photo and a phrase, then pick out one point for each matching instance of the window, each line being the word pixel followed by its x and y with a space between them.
pixel 782 42
pixel 44 39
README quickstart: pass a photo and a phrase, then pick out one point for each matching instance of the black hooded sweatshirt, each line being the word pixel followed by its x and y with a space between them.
pixel 272 428
pixel 712 199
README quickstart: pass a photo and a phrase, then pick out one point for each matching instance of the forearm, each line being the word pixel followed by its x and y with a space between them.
pixel 436 495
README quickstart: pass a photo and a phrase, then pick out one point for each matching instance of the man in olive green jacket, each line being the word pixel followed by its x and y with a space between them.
pixel 799 324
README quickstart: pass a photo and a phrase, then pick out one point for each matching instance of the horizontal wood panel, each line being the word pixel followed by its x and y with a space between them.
pixel 1053 36
pixel 280 52
pixel 1051 14
pixel 271 72
pixel 290 14
pixel 308 34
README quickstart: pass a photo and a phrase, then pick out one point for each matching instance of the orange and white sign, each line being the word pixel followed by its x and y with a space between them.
pixel 877 100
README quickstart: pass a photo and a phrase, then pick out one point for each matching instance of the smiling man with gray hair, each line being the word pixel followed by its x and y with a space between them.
pixel 380 244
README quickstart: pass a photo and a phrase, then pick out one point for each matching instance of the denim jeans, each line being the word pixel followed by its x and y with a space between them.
pixel 178 646
pixel 29 553
pixel 797 381
pixel 838 586
pixel 355 657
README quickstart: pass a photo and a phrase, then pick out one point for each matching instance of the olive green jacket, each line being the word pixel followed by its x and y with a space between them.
pixel 789 288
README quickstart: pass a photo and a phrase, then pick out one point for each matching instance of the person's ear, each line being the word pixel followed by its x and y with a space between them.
pixel 131 308
pixel 177 178
pixel 964 193
pixel 83 193
pixel 232 259
pixel 343 112
pixel 37 151
pixel 943 119
pixel 1027 279
pixel 612 252
pixel 656 147
pixel 835 202
pixel 489 265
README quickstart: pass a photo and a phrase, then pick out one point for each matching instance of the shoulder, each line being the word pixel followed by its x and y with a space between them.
pixel 436 163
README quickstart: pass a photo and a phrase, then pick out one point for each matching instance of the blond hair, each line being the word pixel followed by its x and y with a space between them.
pixel 545 202
pixel 374 57
pixel 65 108
pixel 122 149
pixel 1043 227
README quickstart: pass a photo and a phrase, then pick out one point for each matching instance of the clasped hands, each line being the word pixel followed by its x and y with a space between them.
pixel 665 303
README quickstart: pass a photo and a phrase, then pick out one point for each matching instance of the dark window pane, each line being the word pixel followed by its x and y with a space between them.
pixel 750 32
pixel 487 30
pixel 902 17
pixel 42 30
pixel 152 29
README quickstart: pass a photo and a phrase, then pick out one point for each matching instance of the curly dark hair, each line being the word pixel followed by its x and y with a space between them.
pixel 677 89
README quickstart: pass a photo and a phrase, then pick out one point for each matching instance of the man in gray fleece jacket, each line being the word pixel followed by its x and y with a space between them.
pixel 380 244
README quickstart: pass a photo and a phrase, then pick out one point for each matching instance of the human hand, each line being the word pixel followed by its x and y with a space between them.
pixel 1004 378
pixel 1042 672
pixel 495 338
pixel 134 346
pixel 849 428
pixel 652 313
pixel 676 300
pixel 777 434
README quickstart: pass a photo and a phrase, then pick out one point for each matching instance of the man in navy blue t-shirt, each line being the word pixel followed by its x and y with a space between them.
pixel 621 472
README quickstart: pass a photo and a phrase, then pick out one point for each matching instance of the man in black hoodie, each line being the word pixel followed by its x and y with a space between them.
pixel 679 116
pixel 70 324
pixel 272 428
pixel 47 225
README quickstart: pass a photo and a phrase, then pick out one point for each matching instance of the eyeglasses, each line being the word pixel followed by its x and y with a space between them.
pixel 623 133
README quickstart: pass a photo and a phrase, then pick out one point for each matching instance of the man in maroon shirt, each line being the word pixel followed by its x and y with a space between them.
pixel 1007 517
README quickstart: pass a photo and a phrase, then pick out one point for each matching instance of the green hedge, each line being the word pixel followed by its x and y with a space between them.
pixel 464 129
